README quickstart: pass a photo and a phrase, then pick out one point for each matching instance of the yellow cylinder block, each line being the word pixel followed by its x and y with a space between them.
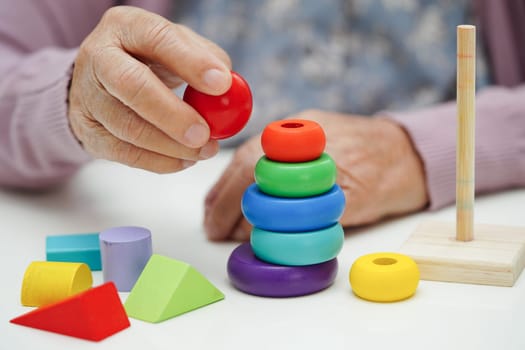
pixel 46 282
pixel 384 277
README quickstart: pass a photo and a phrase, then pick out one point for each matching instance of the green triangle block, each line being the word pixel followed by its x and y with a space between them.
pixel 167 288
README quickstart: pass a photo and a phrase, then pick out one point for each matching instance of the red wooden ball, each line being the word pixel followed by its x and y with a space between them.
pixel 225 114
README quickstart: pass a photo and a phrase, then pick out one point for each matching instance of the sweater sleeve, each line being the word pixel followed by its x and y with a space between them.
pixel 38 46
pixel 500 143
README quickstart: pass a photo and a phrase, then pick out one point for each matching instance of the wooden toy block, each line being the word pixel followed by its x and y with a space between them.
pixel 125 250
pixel 93 315
pixel 46 282
pixel 167 288
pixel 84 248
pixel 464 252
pixel 495 257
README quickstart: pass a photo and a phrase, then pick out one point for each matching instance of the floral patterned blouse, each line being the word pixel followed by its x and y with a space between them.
pixel 351 56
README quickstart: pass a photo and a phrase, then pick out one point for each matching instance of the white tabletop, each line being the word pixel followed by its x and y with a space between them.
pixel 104 194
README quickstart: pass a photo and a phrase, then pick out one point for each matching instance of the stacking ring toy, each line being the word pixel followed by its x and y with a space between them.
pixel 46 282
pixel 293 140
pixel 384 277
pixel 253 276
pixel 292 214
pixel 297 249
pixel 295 179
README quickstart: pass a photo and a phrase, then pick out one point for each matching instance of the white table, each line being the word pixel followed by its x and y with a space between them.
pixel 103 194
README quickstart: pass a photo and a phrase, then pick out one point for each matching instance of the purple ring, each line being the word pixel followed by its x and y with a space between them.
pixel 253 276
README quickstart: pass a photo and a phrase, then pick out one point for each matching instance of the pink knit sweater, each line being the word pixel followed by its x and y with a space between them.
pixel 38 45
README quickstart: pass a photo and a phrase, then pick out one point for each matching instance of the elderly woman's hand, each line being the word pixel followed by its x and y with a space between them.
pixel 121 106
pixel 378 169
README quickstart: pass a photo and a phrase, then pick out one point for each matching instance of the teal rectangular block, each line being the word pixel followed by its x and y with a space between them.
pixel 83 247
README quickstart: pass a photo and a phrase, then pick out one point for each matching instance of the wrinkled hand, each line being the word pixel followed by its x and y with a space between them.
pixel 377 167
pixel 121 106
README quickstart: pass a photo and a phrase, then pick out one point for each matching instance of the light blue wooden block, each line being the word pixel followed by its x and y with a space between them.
pixel 83 247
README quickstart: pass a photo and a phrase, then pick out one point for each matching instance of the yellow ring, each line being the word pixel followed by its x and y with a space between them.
pixel 384 277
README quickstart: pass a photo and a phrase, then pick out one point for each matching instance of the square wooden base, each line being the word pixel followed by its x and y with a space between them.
pixel 496 256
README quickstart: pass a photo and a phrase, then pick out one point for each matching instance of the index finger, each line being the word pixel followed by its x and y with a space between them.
pixel 135 85
pixel 180 50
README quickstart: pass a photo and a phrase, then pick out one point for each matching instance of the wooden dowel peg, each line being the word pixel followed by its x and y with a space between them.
pixel 497 255
pixel 466 89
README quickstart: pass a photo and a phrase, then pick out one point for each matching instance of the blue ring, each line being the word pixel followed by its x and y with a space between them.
pixel 298 249
pixel 292 214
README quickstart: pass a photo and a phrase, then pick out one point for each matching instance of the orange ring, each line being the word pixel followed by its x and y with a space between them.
pixel 293 140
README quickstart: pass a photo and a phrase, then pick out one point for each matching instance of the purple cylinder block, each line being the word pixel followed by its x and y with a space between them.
pixel 253 276
pixel 124 251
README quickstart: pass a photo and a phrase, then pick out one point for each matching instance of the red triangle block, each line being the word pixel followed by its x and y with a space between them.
pixel 93 315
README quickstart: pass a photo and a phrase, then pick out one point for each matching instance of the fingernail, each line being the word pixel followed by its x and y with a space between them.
pixel 208 151
pixel 216 80
pixel 196 135
pixel 187 163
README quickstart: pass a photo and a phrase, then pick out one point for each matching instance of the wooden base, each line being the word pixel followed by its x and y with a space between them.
pixel 496 256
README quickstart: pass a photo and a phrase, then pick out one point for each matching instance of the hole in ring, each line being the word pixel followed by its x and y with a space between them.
pixel 384 261
pixel 292 125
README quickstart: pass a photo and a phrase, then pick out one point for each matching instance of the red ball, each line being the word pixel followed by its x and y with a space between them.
pixel 225 114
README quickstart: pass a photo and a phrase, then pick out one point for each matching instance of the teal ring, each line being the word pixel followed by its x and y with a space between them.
pixel 298 249
pixel 304 179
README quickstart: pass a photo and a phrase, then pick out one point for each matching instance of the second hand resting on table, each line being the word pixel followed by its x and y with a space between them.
pixel 378 169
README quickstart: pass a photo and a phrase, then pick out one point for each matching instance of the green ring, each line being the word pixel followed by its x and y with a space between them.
pixel 303 179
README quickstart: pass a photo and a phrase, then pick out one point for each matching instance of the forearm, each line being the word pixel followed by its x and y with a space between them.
pixel 37 51
pixel 37 147
pixel 500 143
